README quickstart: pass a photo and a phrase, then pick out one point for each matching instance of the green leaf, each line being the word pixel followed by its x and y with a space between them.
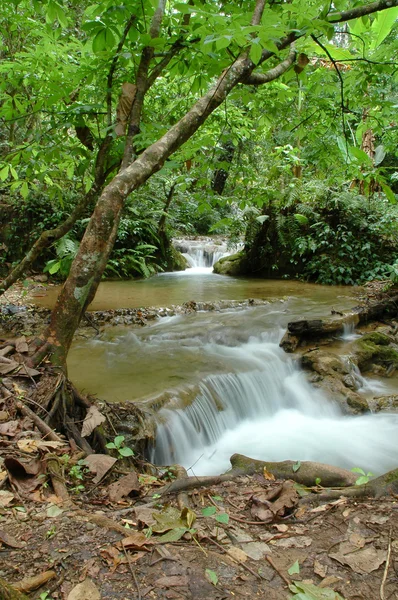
pixel 111 446
pixel 262 218
pixel 223 518
pixel 103 40
pixel 173 535
pixel 126 451
pixel 389 193
pixel 223 42
pixel 255 52
pixel 4 173
pixel 211 576
pixel 24 191
pixel 119 439
pixel 54 511
pixel 301 219
pixel 296 466
pixel 208 511
pixel 294 569
pixel 358 470
pixel 360 155
pixel 309 591
pixel 382 25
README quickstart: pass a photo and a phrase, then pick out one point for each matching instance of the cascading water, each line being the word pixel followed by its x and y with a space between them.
pixel 272 413
pixel 202 254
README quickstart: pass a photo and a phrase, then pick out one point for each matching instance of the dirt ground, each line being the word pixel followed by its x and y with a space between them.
pixel 347 546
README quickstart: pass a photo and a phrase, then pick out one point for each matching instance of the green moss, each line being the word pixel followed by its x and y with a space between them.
pixel 230 265
pixel 375 348
pixel 380 339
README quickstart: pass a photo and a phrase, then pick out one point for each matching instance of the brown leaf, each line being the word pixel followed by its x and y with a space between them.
pixel 24 476
pixel 124 107
pixel 9 540
pixel 21 345
pixel 286 498
pixel 6 350
pixel 99 464
pixel 172 581
pixel 28 445
pixel 7 368
pixel 86 590
pixel 10 428
pixel 5 498
pixel 145 516
pixel 136 541
pixel 363 560
pixel 92 420
pixel 123 487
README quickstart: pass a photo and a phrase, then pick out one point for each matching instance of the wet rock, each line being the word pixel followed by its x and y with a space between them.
pixel 375 348
pixel 385 403
pixel 231 265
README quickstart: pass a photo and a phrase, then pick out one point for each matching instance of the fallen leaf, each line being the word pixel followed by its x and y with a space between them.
pixel 172 581
pixel 294 569
pixel 172 536
pixel 320 569
pixel 9 540
pixel 25 476
pixel 329 505
pixel 285 499
pixel 86 590
pixel 7 368
pixel 93 418
pixel 123 487
pixel 21 345
pixel 6 498
pixel 313 592
pixel 99 464
pixel 267 475
pixel 211 576
pixel 363 560
pixel 136 541
pixel 10 428
pixel 54 511
pixel 145 516
pixel 29 445
pixel 294 542
pixel 237 554
pixel 172 518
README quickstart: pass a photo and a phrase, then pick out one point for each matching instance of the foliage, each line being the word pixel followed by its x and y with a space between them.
pixel 364 477
pixel 118 445
pixel 331 236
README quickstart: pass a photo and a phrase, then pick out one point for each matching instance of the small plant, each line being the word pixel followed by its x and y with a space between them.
pixel 364 477
pixel 45 596
pixel 51 532
pixel 118 445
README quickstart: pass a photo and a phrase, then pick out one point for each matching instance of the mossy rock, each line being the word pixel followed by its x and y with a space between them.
pixel 231 265
pixel 178 261
pixel 375 348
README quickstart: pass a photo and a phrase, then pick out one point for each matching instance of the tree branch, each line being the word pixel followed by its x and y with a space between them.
pixel 113 67
pixel 142 85
pixel 361 11
pixel 260 78
pixel 258 12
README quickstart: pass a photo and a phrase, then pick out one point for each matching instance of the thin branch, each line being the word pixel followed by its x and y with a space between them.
pixel 343 108
pixel 258 12
pixel 113 68
pixel 142 84
pixel 274 73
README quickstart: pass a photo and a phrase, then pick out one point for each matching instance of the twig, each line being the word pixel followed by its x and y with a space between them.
pixel 132 572
pixel 383 582
pixel 281 575
pixel 40 424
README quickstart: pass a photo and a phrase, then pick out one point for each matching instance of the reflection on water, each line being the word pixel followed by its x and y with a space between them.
pixel 166 289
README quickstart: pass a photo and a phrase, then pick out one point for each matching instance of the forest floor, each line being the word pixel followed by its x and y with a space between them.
pixel 99 548
pixel 117 534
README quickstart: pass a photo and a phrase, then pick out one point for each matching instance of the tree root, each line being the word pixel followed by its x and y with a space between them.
pixel 306 473
pixel 58 482
pixel 33 583
pixel 40 424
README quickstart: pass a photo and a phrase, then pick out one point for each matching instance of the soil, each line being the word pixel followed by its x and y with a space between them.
pixel 345 546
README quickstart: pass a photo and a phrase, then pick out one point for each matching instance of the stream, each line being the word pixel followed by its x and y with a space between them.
pixel 230 388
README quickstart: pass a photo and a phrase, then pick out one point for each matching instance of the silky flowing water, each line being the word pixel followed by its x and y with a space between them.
pixel 227 385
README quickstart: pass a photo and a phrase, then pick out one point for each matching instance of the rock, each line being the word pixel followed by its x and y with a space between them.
pixel 231 265
pixel 375 348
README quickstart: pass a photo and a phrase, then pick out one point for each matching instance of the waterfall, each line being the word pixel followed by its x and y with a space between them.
pixel 201 253
pixel 270 412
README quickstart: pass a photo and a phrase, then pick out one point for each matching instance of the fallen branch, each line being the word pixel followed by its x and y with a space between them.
pixel 40 424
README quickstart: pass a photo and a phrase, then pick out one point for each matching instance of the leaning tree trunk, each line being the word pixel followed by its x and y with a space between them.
pixel 97 243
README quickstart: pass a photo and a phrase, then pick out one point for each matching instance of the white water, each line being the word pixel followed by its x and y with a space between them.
pixel 201 254
pixel 270 412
